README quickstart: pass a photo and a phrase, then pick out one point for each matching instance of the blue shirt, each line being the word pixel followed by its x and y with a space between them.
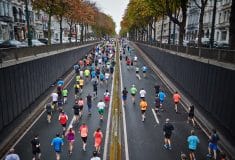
pixel 60 83
pixel 93 74
pixel 193 142
pixel 101 76
pixel 161 95
pixel 57 143
pixel 144 68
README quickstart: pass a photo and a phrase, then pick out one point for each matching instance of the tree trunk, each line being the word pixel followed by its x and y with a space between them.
pixel 200 32
pixel 76 31
pixel 169 32
pixel 49 29
pixel 213 25
pixel 154 31
pixel 82 30
pixel 232 27
pixel 70 32
pixel 61 29
pixel 85 34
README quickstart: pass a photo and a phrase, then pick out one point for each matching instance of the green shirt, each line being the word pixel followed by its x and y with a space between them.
pixel 65 92
pixel 133 90
pixel 86 72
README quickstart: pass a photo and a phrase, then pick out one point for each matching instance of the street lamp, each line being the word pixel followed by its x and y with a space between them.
pixel 29 35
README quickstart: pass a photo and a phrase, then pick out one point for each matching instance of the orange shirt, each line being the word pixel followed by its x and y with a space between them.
pixel 176 97
pixel 143 105
pixel 83 130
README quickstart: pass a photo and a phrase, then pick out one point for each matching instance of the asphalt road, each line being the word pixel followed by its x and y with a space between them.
pixel 47 131
pixel 145 139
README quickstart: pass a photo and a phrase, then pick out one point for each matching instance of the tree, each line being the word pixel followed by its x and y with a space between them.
pixel 202 7
pixel 49 7
pixel 232 26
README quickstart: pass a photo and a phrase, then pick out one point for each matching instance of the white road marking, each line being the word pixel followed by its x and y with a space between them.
pixel 155 116
pixel 108 123
pixel 124 120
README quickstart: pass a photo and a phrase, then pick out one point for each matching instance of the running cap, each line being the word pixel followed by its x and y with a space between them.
pixel 12 150
pixel 133 85
pixel 183 156
pixel 167 120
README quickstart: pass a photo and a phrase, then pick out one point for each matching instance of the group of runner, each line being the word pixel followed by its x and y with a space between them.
pixel 160 96
pixel 96 69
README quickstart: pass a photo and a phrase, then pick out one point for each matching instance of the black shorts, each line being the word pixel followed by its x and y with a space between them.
pixel 36 151
pixel 49 113
pixel 137 72
pixel 176 102
pixel 144 71
pixel 54 102
pixel 84 139
pixel 143 111
pixel 167 135
pixel 63 125
pixel 191 150
pixel 133 94
pixel 191 115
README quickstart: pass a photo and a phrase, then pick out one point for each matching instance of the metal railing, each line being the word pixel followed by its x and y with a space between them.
pixel 16 53
pixel 222 55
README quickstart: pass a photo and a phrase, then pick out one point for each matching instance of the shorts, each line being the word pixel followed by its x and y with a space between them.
pixel 144 71
pixel 54 102
pixel 213 146
pixel 137 72
pixel 124 98
pixel 167 135
pixel 89 105
pixel 176 102
pixel 63 125
pixel 36 151
pixel 143 111
pixel 161 101
pixel 49 113
pixel 192 150
pixel 133 94
pixel 58 151
pixel 84 139
pixel 81 86
pixel 80 108
pixel 101 111
pixel 191 115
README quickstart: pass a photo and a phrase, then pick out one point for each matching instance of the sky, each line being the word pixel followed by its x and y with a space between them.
pixel 114 8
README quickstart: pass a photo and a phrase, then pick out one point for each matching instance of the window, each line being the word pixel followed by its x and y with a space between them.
pixel 225 14
pixel 223 35
pixel 217 36
pixel 220 17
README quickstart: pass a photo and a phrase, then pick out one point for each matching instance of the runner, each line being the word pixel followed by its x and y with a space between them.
pixel 157 105
pixel 101 78
pixel 95 88
pixel 65 95
pixel 191 115
pixel 49 112
pixel 70 134
pixel 143 108
pixel 76 111
pixel 167 130
pixel 36 148
pixel 162 97
pixel 192 145
pixel 81 73
pixel 76 90
pixel 87 74
pixel 100 106
pixel 95 156
pixel 142 93
pixel 124 96
pixel 212 147
pixel 106 97
pixel 128 62
pixel 135 60
pixel 12 155
pixel 133 91
pixel 80 105
pixel 157 89
pixel 176 99
pixel 89 103
pixel 54 96
pixel 63 118
pixel 137 70
pixel 98 135
pixel 81 83
pixel 83 130
pixel 57 144
pixel 78 78
pixel 144 70
pixel 106 75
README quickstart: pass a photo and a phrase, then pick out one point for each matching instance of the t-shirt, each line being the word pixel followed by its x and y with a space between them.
pixel 86 72
pixel 144 68
pixel 101 105
pixel 89 99
pixel 161 95
pixel 77 78
pixel 101 76
pixel 35 144
pixel 193 142
pixel 106 75
pixel 57 143
pixel 95 158
pixel 176 97
pixel 214 138
pixel 76 109
pixel 124 92
pixel 81 82
pixel 83 130
pixel 65 92
pixel 12 156
pixel 168 128
pixel 135 58
pixel 142 93
pixel 63 118
pixel 93 74
pixel 143 105
pixel 133 90
pixel 54 97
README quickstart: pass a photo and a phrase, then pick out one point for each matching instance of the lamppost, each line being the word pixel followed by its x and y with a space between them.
pixel 29 35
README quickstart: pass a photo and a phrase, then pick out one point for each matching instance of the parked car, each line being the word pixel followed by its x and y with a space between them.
pixel 222 45
pixel 1 41
pixel 35 42
pixel 45 41
pixel 12 44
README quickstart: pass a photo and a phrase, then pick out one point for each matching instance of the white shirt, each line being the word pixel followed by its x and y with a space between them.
pixel 81 73
pixel 106 94
pixel 142 93
pixel 101 105
pixel 12 156
pixel 106 75
pixel 135 58
pixel 95 158
pixel 54 97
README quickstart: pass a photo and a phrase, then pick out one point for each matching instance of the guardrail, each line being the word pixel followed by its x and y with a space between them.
pixel 16 53
pixel 222 55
